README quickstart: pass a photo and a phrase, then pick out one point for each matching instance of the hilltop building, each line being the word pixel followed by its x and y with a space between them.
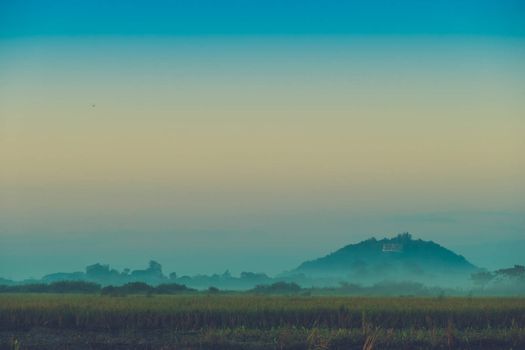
pixel 392 247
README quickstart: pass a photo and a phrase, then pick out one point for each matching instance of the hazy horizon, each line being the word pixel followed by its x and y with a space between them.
pixel 252 137
pixel 273 260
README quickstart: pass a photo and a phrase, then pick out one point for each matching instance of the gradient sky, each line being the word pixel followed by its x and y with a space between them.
pixel 252 135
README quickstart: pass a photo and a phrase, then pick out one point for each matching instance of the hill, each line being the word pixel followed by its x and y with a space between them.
pixel 397 258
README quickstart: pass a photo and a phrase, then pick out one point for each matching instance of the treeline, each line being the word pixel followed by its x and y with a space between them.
pixel 143 288
pixel 55 287
pixel 349 289
pixel 137 288
pixel 94 288
pixel 153 275
pixel 278 288
pixel 508 282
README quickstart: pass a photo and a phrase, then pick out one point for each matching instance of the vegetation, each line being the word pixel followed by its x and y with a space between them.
pixel 400 258
pixel 397 266
pixel 103 308
pixel 277 288
pixel 227 321
pixel 55 287
pixel 497 286
pixel 143 288
pixel 93 288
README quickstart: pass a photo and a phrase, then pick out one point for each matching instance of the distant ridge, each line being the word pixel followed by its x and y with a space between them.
pixel 400 257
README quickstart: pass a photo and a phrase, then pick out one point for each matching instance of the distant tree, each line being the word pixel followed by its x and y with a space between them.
pixel 63 276
pixel 278 288
pixel 172 288
pixel 145 289
pixel 155 266
pixel 253 275
pixel 73 287
pixel 516 272
pixel 350 288
pixel 55 287
pixel 153 274
pixel 137 288
pixel 482 278
pixel 213 290
pixel 128 288
pixel 26 288
pixel 405 236
pixel 97 270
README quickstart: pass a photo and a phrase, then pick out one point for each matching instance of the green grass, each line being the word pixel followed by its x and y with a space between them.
pixel 250 321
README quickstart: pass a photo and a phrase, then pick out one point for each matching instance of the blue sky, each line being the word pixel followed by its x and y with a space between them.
pixel 208 17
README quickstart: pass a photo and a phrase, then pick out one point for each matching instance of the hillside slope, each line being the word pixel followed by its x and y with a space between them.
pixel 398 258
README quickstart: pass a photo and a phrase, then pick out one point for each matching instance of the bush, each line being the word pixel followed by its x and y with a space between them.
pixel 128 288
pixel 213 290
pixel 172 288
pixel 278 288
pixel 143 288
pixel 74 287
pixel 55 287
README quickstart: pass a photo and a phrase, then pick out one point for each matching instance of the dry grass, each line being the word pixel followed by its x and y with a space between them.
pixel 275 322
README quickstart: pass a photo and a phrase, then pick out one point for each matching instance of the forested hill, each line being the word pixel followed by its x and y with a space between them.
pixel 400 257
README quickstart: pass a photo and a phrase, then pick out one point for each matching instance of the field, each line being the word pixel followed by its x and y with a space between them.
pixel 208 321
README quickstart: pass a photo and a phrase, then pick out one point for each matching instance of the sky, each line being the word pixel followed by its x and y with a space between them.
pixel 254 135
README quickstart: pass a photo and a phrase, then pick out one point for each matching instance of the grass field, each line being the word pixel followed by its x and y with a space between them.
pixel 52 321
